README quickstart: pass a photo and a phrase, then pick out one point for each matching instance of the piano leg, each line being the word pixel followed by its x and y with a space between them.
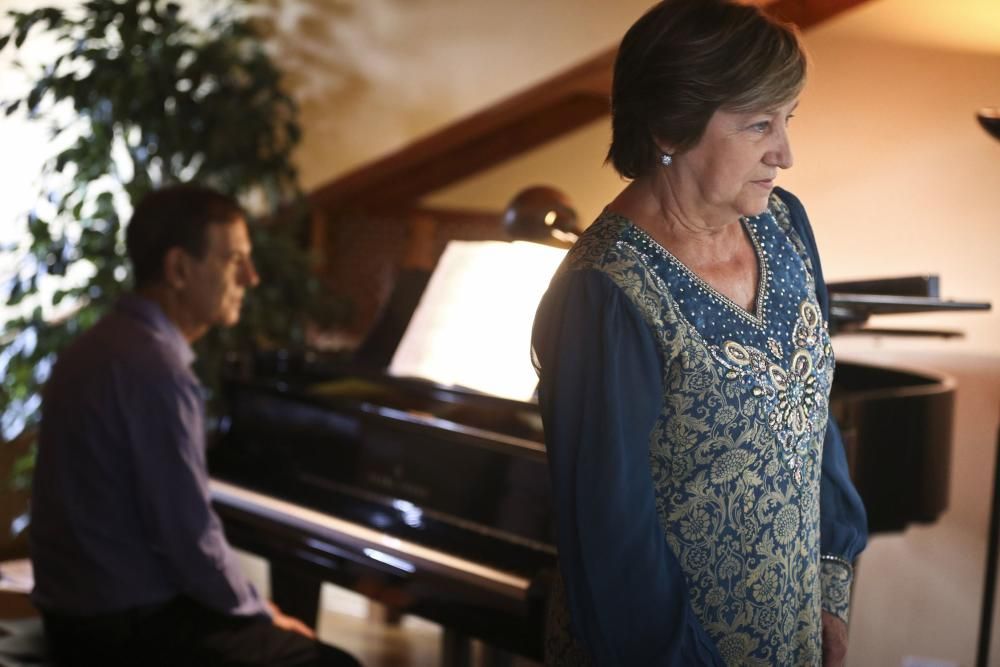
pixel 295 593
pixel 382 614
pixel 456 649
pixel 494 657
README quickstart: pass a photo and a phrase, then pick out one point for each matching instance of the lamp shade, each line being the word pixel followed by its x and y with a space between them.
pixel 541 213
pixel 989 118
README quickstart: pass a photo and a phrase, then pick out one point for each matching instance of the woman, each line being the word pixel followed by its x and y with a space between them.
pixel 705 514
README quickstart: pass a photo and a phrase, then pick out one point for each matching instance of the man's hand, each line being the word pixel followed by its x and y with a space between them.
pixel 834 640
pixel 290 622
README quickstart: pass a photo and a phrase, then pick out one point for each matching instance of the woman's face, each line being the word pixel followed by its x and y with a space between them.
pixel 730 172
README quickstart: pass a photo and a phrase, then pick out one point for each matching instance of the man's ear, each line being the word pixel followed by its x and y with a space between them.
pixel 176 268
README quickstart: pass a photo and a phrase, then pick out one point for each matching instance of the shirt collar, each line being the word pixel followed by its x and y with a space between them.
pixel 150 314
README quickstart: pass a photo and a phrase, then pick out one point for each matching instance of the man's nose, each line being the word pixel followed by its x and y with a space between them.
pixel 250 276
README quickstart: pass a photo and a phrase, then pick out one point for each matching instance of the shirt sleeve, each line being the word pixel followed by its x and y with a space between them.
pixel 600 392
pixel 175 503
pixel 843 520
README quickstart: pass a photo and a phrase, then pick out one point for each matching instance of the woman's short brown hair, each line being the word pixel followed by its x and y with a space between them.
pixel 684 60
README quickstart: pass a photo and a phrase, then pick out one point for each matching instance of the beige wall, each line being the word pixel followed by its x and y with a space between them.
pixel 376 74
pixel 897 176
pixel 900 179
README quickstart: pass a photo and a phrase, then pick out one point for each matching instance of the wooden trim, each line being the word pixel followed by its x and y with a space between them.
pixel 458 215
pixel 808 13
pixel 520 122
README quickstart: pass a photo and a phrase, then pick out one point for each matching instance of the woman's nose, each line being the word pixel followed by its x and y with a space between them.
pixel 781 154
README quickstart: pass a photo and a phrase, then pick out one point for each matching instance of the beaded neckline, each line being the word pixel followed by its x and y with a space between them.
pixel 758 316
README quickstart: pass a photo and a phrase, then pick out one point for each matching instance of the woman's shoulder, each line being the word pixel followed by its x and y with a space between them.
pixel 788 211
pixel 781 205
pixel 599 245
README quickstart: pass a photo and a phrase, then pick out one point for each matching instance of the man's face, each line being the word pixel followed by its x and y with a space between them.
pixel 219 279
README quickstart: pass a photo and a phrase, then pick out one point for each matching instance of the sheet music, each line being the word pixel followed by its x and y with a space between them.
pixel 472 327
pixel 17 576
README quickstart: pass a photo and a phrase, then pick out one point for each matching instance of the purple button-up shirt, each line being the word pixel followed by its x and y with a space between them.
pixel 121 513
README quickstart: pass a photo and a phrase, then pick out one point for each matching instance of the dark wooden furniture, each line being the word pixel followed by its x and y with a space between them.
pixel 436 501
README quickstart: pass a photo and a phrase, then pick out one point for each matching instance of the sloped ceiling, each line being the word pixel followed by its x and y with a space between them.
pixel 521 122
pixel 952 25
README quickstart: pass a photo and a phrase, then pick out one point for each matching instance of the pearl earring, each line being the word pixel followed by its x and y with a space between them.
pixel 666 159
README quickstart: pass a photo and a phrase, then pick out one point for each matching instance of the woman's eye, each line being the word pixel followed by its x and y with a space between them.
pixel 761 126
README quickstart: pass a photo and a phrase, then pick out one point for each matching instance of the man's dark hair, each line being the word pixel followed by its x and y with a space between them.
pixel 686 59
pixel 175 216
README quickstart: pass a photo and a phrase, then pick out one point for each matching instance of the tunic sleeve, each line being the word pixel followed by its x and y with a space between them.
pixel 843 521
pixel 600 393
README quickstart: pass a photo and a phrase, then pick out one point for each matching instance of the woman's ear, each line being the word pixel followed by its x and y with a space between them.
pixel 176 268
pixel 662 149
pixel 663 146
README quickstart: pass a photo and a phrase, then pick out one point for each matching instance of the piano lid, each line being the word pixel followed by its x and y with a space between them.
pixel 472 331
pixel 853 302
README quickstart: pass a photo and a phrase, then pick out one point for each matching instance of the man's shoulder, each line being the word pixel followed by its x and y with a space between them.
pixel 122 347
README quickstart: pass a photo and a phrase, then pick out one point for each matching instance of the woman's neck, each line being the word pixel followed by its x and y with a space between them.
pixel 677 223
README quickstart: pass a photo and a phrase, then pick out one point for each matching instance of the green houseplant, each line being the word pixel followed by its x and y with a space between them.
pixel 155 99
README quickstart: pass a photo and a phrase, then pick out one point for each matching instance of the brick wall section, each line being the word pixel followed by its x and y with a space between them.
pixel 363 254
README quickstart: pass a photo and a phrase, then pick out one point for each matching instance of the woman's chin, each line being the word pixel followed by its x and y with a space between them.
pixel 756 206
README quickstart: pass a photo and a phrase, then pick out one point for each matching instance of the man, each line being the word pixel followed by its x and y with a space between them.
pixel 131 564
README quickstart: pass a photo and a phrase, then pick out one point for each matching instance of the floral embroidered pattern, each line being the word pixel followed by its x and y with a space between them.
pixel 835 577
pixel 735 455
pixel 793 408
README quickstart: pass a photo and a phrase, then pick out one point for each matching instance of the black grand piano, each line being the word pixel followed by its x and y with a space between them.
pixel 434 501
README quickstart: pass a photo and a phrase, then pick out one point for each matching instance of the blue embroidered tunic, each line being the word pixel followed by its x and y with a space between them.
pixel 705 513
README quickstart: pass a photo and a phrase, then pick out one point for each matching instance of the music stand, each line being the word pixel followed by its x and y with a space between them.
pixel 989 118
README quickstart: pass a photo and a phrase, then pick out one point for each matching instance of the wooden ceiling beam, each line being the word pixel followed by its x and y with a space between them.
pixel 440 161
pixel 486 138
